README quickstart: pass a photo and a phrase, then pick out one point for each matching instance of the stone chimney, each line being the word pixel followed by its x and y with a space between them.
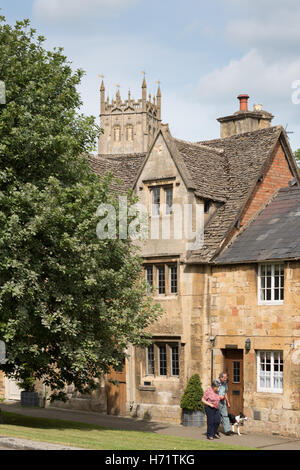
pixel 245 120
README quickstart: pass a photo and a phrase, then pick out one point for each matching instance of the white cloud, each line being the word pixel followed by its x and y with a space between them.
pixel 267 83
pixel 250 74
pixel 273 27
pixel 72 9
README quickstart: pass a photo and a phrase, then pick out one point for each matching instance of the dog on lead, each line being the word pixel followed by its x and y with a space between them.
pixel 237 421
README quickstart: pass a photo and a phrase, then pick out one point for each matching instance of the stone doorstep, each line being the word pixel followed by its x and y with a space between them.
pixel 26 444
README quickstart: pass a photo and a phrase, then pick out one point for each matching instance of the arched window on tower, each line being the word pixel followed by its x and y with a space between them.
pixel 129 132
pixel 117 133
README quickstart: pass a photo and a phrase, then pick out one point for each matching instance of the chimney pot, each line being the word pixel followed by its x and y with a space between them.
pixel 243 102
pixel 257 107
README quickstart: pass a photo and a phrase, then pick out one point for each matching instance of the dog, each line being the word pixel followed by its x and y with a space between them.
pixel 237 421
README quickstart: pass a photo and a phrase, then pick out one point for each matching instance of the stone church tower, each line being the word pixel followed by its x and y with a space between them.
pixel 129 126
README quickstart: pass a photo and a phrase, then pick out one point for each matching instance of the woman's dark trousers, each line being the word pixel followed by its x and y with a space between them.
pixel 213 420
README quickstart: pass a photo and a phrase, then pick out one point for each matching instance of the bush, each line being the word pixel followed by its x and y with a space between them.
pixel 27 384
pixel 191 399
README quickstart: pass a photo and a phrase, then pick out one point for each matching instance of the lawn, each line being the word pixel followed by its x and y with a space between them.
pixel 94 437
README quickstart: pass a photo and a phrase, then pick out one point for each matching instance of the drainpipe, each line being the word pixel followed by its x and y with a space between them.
pixel 212 344
pixel 131 399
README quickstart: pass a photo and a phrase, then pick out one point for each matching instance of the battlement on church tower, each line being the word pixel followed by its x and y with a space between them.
pixel 129 125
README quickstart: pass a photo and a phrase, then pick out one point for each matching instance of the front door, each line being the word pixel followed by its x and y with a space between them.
pixel 233 365
pixel 116 392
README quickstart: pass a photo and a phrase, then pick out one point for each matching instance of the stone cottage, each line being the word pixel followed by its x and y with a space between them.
pixel 232 303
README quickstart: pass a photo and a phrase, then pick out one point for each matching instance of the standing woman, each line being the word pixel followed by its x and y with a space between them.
pixel 211 401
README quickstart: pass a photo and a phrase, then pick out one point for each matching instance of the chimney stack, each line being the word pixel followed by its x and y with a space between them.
pixel 244 120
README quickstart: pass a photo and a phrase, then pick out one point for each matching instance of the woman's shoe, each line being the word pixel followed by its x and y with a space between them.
pixel 217 436
pixel 210 438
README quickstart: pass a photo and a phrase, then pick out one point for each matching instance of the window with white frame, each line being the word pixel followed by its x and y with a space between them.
pixel 270 371
pixel 270 284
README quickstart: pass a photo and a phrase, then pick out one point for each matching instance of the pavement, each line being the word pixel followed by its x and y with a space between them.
pixel 247 439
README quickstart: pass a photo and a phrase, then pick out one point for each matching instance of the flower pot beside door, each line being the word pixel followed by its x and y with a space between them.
pixel 28 396
pixel 29 399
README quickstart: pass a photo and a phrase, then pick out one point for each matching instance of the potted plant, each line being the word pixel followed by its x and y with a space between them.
pixel 191 404
pixel 28 396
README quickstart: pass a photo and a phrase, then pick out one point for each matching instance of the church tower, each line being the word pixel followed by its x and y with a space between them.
pixel 129 126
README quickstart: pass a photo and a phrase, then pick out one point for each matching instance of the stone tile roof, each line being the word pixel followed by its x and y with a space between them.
pixel 273 235
pixel 123 167
pixel 225 170
pixel 246 154
pixel 207 169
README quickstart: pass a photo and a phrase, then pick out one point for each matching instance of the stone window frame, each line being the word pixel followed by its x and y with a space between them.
pixel 270 389
pixel 115 128
pixel 273 287
pixel 164 209
pixel 169 345
pixel 129 126
pixel 167 265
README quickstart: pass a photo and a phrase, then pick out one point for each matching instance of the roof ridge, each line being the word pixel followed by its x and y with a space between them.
pixel 198 144
pixel 277 127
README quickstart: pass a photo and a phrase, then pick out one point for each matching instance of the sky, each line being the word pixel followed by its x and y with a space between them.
pixel 203 53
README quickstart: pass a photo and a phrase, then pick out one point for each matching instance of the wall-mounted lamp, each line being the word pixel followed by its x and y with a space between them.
pixel 248 344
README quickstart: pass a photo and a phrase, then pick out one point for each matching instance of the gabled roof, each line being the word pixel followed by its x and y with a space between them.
pixel 224 170
pixel 247 155
pixel 273 235
pixel 207 168
pixel 202 168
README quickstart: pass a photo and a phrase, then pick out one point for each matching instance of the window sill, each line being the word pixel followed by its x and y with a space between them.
pixel 165 297
pixel 147 388
pixel 270 392
pixel 271 302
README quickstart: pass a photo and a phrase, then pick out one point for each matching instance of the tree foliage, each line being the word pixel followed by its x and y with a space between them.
pixel 192 396
pixel 69 303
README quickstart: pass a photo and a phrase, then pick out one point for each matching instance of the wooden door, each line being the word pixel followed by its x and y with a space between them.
pixel 234 366
pixel 116 392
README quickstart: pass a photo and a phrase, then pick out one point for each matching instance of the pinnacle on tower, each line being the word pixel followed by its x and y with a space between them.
pixel 144 85
pixel 144 93
pixel 158 101
pixel 102 92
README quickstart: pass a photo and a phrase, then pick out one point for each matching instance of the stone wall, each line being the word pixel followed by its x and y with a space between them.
pixel 236 316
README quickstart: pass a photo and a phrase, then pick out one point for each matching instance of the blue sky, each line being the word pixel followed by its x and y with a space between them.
pixel 203 53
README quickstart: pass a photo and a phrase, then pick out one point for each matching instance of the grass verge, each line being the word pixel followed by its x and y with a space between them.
pixel 89 436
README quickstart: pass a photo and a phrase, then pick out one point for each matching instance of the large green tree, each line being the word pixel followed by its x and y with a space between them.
pixel 70 303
